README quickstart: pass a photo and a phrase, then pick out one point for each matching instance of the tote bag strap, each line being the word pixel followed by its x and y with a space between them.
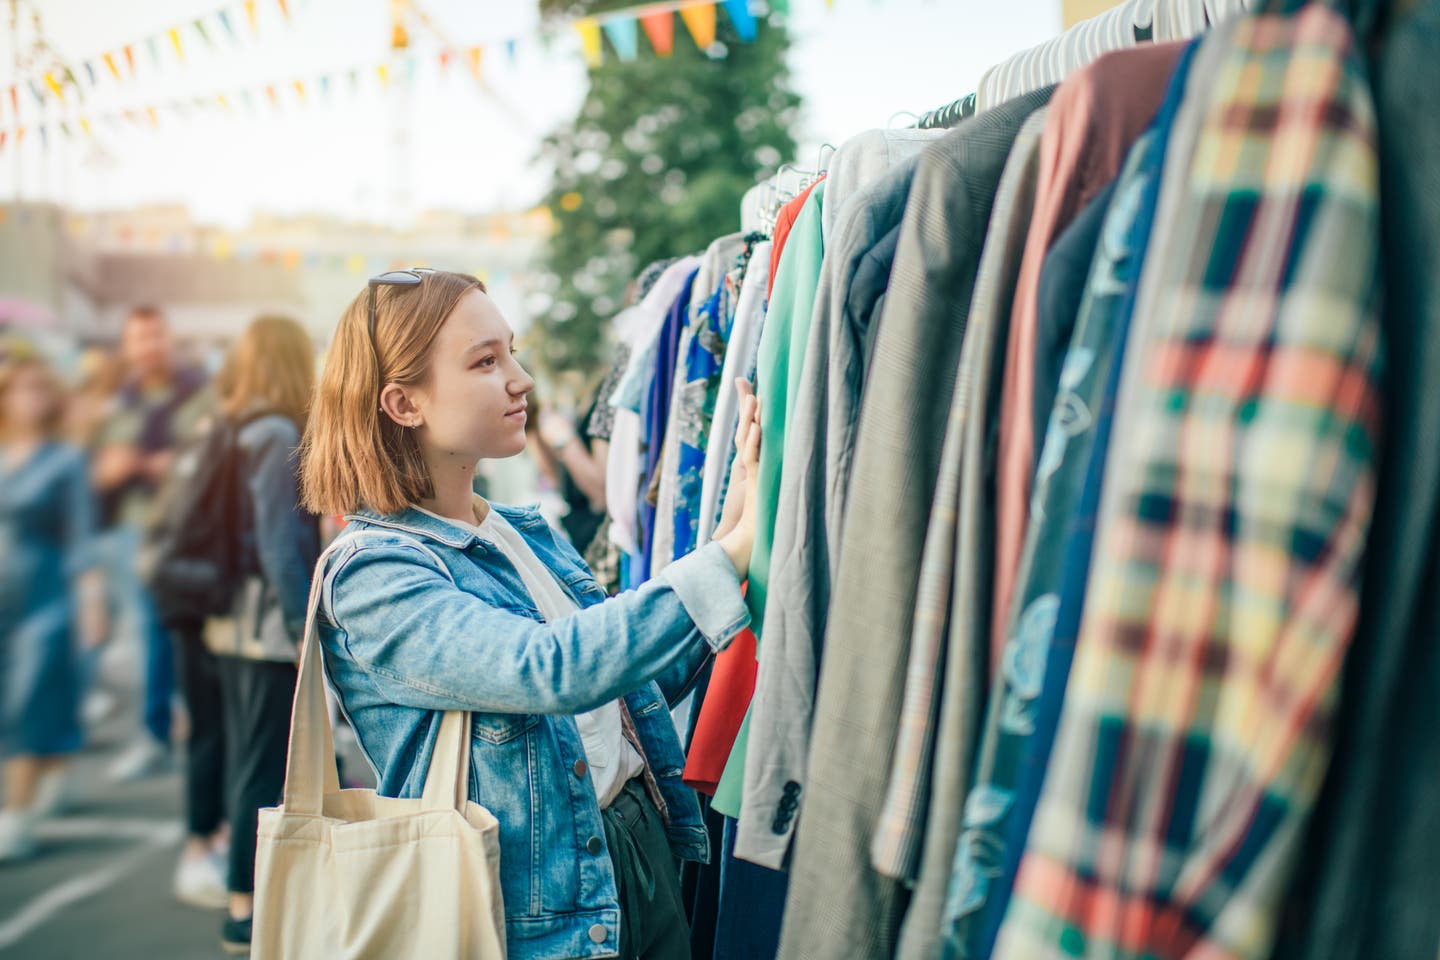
pixel 310 770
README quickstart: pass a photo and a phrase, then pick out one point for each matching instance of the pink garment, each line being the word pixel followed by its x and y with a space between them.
pixel 1094 118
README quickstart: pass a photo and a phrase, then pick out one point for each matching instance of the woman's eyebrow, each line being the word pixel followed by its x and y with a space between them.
pixel 482 345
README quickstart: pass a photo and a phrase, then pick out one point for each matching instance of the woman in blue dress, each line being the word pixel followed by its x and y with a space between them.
pixel 49 591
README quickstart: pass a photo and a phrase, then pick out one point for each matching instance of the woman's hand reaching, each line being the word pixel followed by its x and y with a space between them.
pixel 736 532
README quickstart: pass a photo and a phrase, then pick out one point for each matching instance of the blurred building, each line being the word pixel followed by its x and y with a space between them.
pixel 75 274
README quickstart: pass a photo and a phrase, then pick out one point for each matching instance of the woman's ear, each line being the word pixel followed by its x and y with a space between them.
pixel 400 407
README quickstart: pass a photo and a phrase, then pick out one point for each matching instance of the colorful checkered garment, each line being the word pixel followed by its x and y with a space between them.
pixel 1224 589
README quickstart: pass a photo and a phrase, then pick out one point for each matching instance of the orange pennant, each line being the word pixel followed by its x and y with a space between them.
pixel 284 8
pixel 274 97
pixel 445 56
pixel 472 56
pixel 660 28
pixel 110 62
pixel 130 58
pixel 250 15
pixel 153 116
pixel 700 20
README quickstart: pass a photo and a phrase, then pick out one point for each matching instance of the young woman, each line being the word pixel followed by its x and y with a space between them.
pixel 49 585
pixel 265 392
pixel 441 601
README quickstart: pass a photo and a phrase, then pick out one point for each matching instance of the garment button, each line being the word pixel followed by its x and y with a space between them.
pixel 792 789
pixel 595 845
pixel 598 933
pixel 787 803
pixel 581 768
pixel 779 827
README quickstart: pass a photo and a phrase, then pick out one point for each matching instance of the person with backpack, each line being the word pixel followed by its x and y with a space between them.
pixel 262 548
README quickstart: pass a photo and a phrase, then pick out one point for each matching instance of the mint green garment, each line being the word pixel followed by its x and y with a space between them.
pixel 777 381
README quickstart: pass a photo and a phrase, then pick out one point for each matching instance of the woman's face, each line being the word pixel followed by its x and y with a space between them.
pixel 29 401
pixel 473 406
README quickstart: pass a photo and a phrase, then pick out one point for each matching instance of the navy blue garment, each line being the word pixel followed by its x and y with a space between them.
pixel 656 411
pixel 752 905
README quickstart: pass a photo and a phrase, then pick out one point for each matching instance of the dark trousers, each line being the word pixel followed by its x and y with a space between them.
pixel 258 698
pixel 652 914
pixel 205 749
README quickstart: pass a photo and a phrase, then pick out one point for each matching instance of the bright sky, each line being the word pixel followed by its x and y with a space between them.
pixel 855 64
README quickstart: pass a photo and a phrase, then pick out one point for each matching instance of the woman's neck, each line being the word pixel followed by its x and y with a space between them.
pixel 453 495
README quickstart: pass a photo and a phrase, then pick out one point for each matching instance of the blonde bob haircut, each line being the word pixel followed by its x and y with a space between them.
pixel 354 455
pixel 271 366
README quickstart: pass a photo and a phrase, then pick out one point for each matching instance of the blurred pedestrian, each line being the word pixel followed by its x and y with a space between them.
pixel 92 403
pixel 576 471
pixel 157 403
pixel 268 380
pixel 50 585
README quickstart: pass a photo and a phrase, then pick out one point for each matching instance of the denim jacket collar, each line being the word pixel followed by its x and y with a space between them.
pixel 418 523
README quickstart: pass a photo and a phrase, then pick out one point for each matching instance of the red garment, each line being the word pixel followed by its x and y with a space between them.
pixel 784 220
pixel 1093 120
pixel 732 684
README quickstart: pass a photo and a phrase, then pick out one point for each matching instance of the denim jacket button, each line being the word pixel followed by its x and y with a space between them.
pixel 581 768
pixel 595 845
pixel 598 933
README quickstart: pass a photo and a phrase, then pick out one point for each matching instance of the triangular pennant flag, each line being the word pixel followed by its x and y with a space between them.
pixel 223 100
pixel 700 21
pixel 250 15
pixel 14 98
pixel 472 56
pixel 74 81
pixel 445 56
pixel 19 135
pixel 249 100
pixel 85 125
pixel 325 85
pixel 44 138
pixel 130 59
pixel 510 50
pixel 37 93
pixel 624 36
pixel 300 89
pixel 3 135
pixel 90 72
pixel 589 32
pixel 284 8
pixel 383 72
pixel 110 62
pixel 273 95
pixel 412 64
pixel 175 39
pixel 65 129
pixel 224 16
pixel 660 28
pixel 744 20
pixel 153 43
pixel 354 80
pixel 153 116
pixel 54 85
pixel 204 34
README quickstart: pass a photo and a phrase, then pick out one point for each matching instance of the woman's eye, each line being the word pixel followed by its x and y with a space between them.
pixel 486 362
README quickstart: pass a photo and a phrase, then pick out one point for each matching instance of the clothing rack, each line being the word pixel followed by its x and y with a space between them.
pixel 942 118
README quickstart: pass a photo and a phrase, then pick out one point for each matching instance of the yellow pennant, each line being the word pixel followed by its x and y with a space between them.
pixel 154 117
pixel 700 21
pixel 589 30
pixel 110 62
pixel 85 125
pixel 472 56
pixel 54 85
pixel 250 15
pixel 383 71
pixel 175 39
pixel 300 89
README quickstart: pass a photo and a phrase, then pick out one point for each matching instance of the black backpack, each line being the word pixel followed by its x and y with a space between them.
pixel 195 539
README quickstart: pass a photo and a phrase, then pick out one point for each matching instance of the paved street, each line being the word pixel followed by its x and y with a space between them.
pixel 101 884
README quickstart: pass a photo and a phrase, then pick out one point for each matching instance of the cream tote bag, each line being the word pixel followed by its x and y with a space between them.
pixel 349 874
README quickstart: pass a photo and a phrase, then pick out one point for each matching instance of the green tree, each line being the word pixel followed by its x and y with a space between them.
pixel 653 166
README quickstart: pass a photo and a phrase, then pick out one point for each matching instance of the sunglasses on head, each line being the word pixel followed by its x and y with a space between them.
pixel 393 278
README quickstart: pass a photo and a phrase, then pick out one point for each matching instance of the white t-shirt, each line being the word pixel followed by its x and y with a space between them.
pixel 613 762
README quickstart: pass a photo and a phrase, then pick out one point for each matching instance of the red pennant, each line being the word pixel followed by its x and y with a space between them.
pixel 445 57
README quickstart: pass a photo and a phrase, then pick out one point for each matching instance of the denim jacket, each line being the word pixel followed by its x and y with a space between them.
pixel 419 616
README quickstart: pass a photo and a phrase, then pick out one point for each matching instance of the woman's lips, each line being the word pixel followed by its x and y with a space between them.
pixel 516 415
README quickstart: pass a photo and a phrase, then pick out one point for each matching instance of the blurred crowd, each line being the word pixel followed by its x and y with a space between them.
pixel 112 478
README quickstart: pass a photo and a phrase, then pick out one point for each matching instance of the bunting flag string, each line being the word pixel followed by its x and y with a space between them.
pixel 619 30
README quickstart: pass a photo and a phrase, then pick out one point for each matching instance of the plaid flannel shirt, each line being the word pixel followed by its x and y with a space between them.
pixel 1224 590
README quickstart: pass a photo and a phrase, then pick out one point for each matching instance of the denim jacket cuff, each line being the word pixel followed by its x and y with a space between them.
pixel 709 590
